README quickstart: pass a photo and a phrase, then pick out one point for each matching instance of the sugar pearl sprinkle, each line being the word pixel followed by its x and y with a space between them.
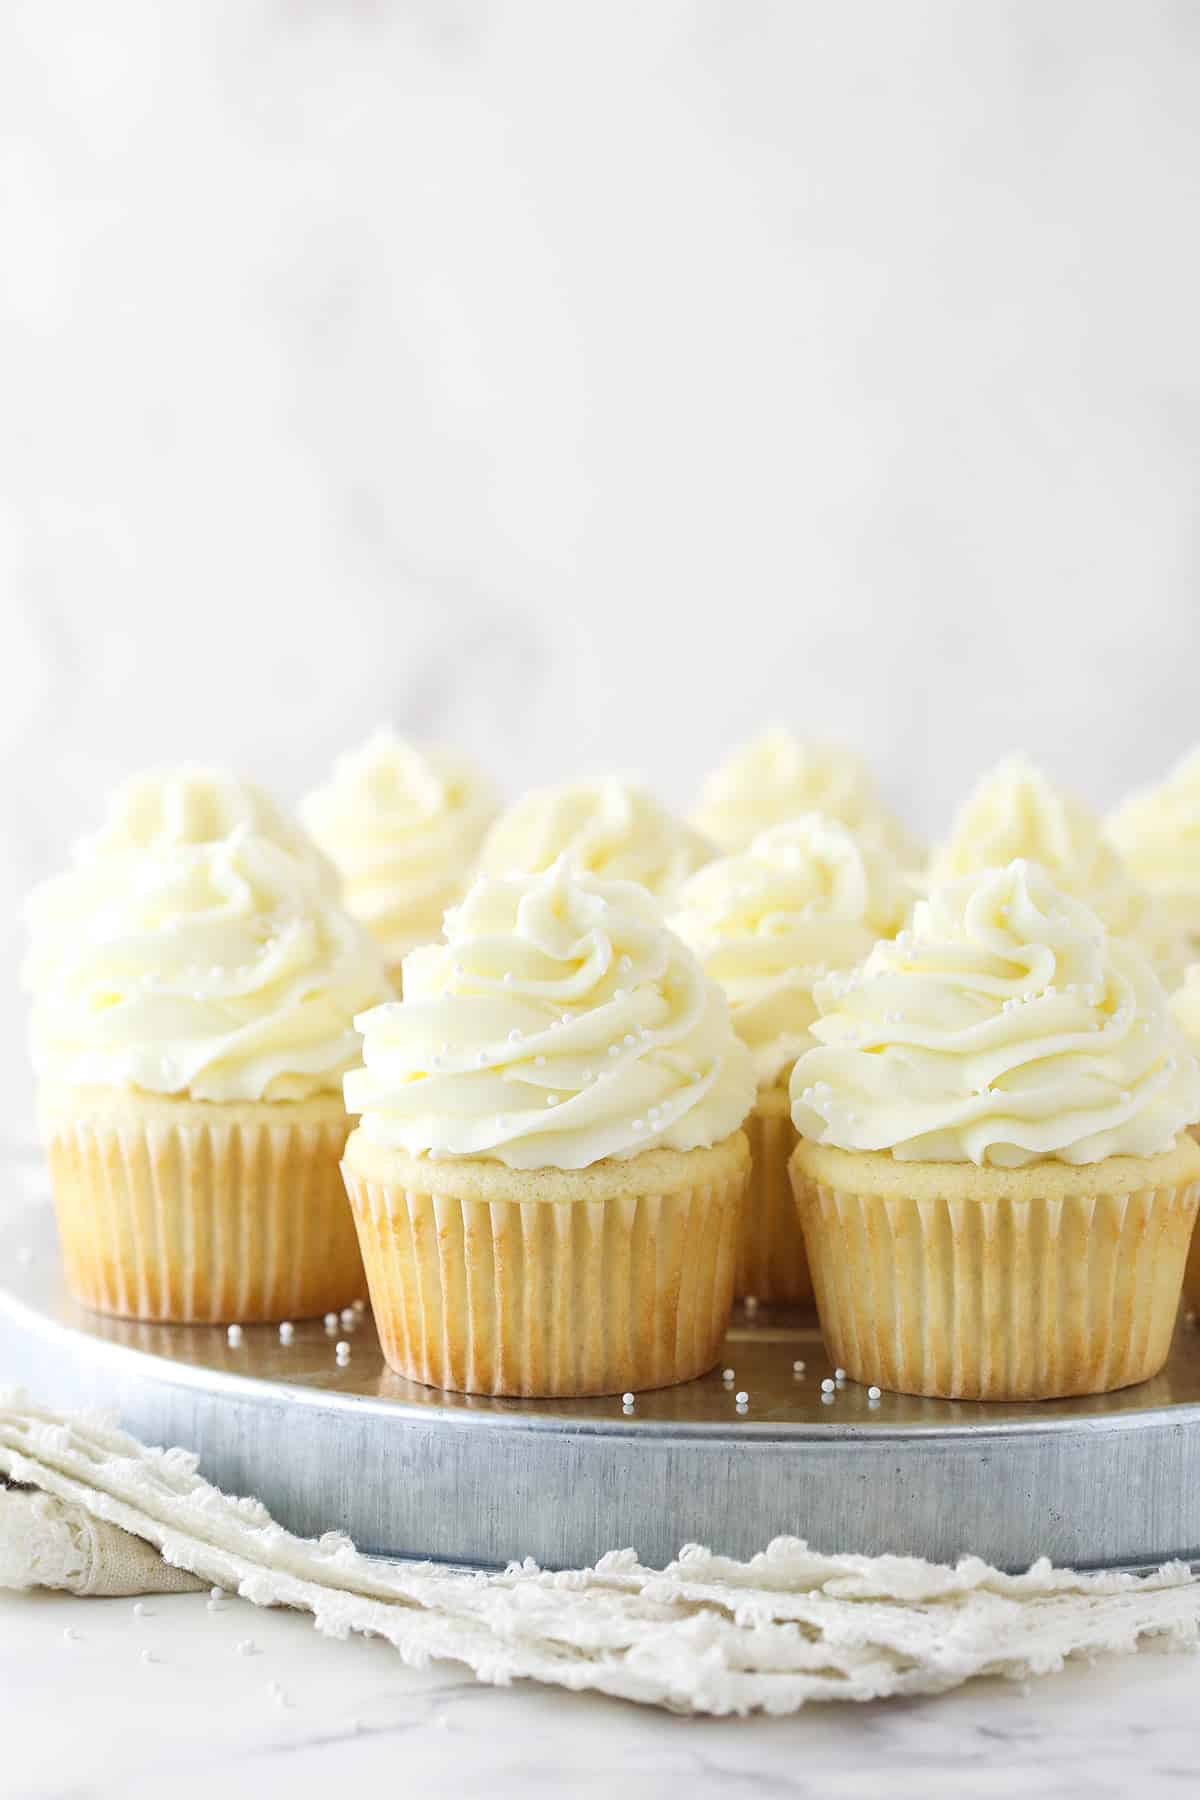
pixel 627 1399
pixel 331 1323
pixel 742 1397
pixel 827 1385
pixel 727 1375
pixel 234 1336
pixel 797 1367
pixel 287 1332
pixel 873 1393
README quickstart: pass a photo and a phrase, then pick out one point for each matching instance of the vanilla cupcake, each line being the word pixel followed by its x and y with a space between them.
pixel 1157 831
pixel 193 1009
pixel 1015 811
pixel 778 777
pixel 403 827
pixel 994 1173
pixel 805 899
pixel 612 828
pixel 549 1170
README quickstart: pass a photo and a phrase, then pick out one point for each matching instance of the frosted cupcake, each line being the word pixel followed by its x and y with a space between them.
pixel 1157 831
pixel 612 828
pixel 192 1020
pixel 403 827
pixel 805 899
pixel 549 1171
pixel 994 1174
pixel 1015 811
pixel 778 777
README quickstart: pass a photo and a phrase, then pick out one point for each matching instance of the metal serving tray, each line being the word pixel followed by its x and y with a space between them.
pixel 410 1471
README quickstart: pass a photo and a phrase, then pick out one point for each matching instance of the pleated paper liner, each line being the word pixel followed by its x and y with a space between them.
pixel 487 1280
pixel 772 1263
pixel 991 1284
pixel 189 1211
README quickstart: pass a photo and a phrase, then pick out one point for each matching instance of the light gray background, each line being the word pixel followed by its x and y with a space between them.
pixel 585 381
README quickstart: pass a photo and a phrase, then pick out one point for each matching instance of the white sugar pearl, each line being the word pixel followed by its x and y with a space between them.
pixel 742 1397
pixel 827 1385
pixel 348 1317
pixel 873 1393
pixel 360 1307
pixel 331 1320
pixel 216 1593
pixel 234 1335
pixel 839 1374
pixel 797 1368
pixel 342 1350
pixel 627 1399
pixel 726 1374
pixel 287 1332
pixel 751 1303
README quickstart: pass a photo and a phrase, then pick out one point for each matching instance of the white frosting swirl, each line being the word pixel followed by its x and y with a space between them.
pixel 1185 1006
pixel 192 803
pixel 1017 812
pixel 214 970
pixel 561 1023
pixel 1005 1028
pixel 805 899
pixel 778 777
pixel 403 827
pixel 1157 831
pixel 612 828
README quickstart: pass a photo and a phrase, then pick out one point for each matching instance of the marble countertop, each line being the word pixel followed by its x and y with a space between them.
pixel 167 1702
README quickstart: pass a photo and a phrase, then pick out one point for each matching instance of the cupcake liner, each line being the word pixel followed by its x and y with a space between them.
pixel 205 1219
pixel 771 1261
pixel 1023 1296
pixel 545 1297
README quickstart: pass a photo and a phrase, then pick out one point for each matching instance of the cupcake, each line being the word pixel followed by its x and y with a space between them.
pixel 1157 831
pixel 805 899
pixel 612 828
pixel 403 827
pixel 778 777
pixel 549 1170
pixel 1015 811
pixel 193 1014
pixel 994 1174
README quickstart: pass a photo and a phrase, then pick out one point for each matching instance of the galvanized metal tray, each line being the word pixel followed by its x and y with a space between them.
pixel 410 1471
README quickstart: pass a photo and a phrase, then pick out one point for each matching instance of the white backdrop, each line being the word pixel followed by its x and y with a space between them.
pixel 587 381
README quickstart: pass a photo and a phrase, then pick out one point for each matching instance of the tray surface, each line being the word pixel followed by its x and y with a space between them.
pixel 417 1471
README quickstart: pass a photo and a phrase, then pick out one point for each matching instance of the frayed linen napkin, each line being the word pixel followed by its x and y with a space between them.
pixel 94 1511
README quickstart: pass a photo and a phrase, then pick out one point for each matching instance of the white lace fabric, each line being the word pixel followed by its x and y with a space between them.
pixel 707 1634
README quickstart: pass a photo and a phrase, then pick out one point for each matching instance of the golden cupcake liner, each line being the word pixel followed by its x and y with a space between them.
pixel 541 1297
pixel 1191 1273
pixel 771 1262
pixel 223 1219
pixel 997 1298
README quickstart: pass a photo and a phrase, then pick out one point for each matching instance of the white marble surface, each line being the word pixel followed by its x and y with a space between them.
pixel 89 1719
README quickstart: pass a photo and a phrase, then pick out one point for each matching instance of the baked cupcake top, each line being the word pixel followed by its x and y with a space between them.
pixel 612 828
pixel 1015 811
pixel 218 970
pixel 1006 1027
pixel 1157 831
pixel 403 827
pixel 805 899
pixel 193 803
pixel 561 1023
pixel 778 777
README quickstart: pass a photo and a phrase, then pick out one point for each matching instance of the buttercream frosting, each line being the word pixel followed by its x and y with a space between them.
pixel 1016 811
pixel 1005 1027
pixel 1157 831
pixel 778 776
pixel 403 826
pixel 805 899
pixel 194 803
pixel 612 828
pixel 560 1023
pixel 217 970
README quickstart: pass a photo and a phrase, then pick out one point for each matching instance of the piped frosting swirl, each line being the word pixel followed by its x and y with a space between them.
pixel 559 1024
pixel 612 828
pixel 1005 1027
pixel 805 899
